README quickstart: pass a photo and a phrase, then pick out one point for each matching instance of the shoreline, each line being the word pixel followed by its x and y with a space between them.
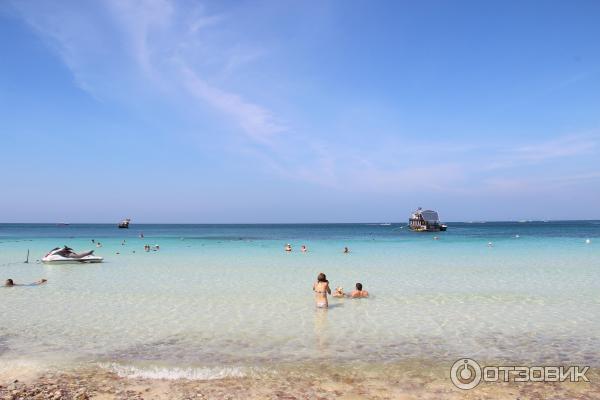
pixel 405 380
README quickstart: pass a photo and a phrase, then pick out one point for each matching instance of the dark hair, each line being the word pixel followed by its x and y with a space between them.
pixel 9 282
pixel 321 277
pixel 359 286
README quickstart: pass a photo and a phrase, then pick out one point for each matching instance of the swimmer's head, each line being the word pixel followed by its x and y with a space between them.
pixel 321 277
pixel 359 286
pixel 9 282
pixel 339 289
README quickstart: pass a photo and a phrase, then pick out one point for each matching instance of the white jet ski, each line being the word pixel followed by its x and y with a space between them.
pixel 67 255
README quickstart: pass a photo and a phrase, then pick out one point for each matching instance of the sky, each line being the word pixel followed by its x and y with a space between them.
pixel 305 111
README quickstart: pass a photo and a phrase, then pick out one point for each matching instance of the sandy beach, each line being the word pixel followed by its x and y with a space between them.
pixel 401 381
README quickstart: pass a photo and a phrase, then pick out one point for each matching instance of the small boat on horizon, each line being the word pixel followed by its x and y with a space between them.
pixel 425 221
pixel 124 224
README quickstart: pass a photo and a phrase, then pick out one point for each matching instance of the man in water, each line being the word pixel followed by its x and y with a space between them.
pixel 359 292
pixel 11 283
pixel 346 250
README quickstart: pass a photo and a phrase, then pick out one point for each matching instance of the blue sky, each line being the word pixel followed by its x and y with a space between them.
pixel 316 111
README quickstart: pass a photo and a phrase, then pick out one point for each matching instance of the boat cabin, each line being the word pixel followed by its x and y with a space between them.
pixel 425 221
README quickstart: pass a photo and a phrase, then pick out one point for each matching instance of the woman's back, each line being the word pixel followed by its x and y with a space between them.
pixel 321 288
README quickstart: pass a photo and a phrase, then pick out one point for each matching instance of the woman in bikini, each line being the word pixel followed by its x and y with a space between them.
pixel 321 289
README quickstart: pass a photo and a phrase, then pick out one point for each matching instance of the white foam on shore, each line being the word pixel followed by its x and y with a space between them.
pixel 167 373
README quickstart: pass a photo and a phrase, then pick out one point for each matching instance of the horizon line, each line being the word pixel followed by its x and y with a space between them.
pixel 292 223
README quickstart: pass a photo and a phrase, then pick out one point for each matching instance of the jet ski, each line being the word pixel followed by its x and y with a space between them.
pixel 67 255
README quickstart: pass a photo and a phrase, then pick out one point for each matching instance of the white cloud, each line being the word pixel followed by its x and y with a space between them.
pixel 147 41
pixel 256 121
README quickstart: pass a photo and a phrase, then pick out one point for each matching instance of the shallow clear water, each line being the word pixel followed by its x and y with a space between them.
pixel 222 300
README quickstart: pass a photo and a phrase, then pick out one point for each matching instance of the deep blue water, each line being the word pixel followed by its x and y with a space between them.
pixel 395 231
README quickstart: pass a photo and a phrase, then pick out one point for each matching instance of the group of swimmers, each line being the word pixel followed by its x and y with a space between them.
pixel 288 247
pixel 304 249
pixel 322 289
pixel 148 247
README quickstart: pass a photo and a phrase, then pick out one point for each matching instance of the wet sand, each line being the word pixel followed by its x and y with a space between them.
pixel 318 381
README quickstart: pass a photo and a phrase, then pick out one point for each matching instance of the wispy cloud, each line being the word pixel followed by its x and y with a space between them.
pixel 152 39
pixel 256 121
pixel 567 146
pixel 539 186
pixel 546 150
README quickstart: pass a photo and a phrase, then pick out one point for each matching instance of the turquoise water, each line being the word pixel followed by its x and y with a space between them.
pixel 225 300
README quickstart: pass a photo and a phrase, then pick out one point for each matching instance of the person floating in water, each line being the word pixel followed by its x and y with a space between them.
pixel 321 289
pixel 141 235
pixel 11 283
pixel 98 244
pixel 359 292
pixel 339 292
pixel 304 249
pixel 288 247
pixel 346 250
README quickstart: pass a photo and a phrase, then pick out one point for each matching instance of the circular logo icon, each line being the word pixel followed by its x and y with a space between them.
pixel 465 373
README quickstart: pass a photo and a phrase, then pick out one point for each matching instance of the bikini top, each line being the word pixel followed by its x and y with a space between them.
pixel 319 291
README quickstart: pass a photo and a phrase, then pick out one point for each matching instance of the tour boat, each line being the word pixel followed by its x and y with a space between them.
pixel 425 221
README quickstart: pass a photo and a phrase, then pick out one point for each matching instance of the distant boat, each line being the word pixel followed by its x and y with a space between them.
pixel 425 221
pixel 125 223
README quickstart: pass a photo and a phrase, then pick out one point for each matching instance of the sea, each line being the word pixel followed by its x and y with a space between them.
pixel 226 301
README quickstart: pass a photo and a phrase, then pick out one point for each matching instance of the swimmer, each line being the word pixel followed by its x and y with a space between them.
pixel 141 235
pixel 321 289
pixel 123 242
pixel 98 244
pixel 346 250
pixel 288 247
pixel 436 238
pixel 303 249
pixel 359 292
pixel 339 292
pixel 490 244
pixel 11 283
